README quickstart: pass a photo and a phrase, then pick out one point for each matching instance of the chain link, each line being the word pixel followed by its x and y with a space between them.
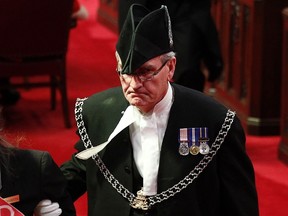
pixel 80 123
pixel 187 180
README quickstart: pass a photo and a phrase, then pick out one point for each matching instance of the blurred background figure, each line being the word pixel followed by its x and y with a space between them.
pixel 196 39
pixel 8 96
pixel 29 176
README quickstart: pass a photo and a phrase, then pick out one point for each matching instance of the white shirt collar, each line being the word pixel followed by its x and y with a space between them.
pixel 166 102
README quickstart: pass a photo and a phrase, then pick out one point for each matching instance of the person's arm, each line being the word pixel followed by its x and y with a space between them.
pixel 74 171
pixel 236 173
pixel 54 187
pixel 212 56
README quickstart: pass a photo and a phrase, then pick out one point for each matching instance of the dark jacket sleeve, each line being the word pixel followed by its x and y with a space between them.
pixel 237 180
pixel 54 185
pixel 34 176
pixel 74 171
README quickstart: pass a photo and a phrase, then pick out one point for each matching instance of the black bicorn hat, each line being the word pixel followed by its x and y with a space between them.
pixel 145 35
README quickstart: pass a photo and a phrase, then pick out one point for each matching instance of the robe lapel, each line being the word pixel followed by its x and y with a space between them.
pixel 174 167
pixel 118 157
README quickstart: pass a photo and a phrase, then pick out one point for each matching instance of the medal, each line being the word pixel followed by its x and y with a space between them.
pixel 203 139
pixel 183 140
pixel 184 148
pixel 194 150
pixel 204 148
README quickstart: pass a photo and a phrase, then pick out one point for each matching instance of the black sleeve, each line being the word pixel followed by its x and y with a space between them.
pixel 236 173
pixel 54 185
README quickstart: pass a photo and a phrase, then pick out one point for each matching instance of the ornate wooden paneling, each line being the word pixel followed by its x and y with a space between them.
pixel 251 39
pixel 283 147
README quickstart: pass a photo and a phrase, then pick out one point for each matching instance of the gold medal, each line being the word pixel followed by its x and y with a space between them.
pixel 194 150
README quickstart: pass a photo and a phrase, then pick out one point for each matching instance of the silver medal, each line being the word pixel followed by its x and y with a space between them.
pixel 204 148
pixel 183 148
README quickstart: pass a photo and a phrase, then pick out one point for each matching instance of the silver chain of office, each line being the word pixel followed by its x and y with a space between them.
pixel 187 180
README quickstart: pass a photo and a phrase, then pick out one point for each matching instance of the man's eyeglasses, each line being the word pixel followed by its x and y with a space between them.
pixel 143 76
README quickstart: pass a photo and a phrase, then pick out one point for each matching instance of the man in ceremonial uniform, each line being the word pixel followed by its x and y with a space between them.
pixel 152 147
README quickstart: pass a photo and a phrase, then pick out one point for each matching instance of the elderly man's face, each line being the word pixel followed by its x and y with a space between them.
pixel 150 86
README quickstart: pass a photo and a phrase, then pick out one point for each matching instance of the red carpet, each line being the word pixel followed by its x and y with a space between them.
pixel 271 175
pixel 91 68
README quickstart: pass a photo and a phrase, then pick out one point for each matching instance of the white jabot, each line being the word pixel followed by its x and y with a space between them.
pixel 127 119
pixel 147 133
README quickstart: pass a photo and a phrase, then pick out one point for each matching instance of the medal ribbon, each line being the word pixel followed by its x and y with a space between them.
pixel 193 136
pixel 191 132
pixel 183 135
pixel 204 134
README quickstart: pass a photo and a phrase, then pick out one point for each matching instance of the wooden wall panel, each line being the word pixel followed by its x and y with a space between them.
pixel 251 39
pixel 283 146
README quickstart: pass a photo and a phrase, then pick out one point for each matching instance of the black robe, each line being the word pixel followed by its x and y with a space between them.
pixel 225 187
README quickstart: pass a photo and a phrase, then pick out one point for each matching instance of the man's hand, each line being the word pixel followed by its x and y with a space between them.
pixel 47 208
